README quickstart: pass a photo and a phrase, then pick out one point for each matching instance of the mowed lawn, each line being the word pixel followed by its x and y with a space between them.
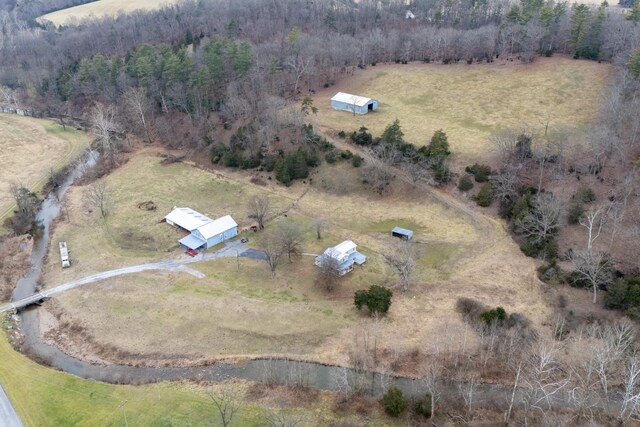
pixel 29 149
pixel 101 9
pixel 45 397
pixel 469 102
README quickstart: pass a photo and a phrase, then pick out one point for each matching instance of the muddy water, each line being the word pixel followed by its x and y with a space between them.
pixel 277 371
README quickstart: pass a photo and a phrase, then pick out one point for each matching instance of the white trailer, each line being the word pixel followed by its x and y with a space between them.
pixel 64 254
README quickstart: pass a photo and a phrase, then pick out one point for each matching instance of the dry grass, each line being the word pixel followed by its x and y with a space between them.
pixel 30 149
pixel 469 102
pixel 14 260
pixel 101 9
pixel 131 235
pixel 155 317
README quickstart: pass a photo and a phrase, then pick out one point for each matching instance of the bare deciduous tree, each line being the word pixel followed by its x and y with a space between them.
pixel 377 173
pixel 403 259
pixel 465 388
pixel 291 236
pixel 105 128
pixel 328 274
pixel 542 220
pixel 505 185
pixel 593 221
pixel 98 196
pixel 320 226
pixel 26 208
pixel 226 402
pixel 138 105
pixel 630 405
pixel 271 246
pixel 543 378
pixel 281 419
pixel 258 208
pixel 342 382
pixel 431 382
pixel 592 267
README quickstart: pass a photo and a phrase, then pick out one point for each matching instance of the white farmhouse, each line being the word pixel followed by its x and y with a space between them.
pixel 343 256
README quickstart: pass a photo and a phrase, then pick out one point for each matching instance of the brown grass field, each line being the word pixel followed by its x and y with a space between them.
pixel 100 9
pixel 30 149
pixel 469 102
pixel 159 317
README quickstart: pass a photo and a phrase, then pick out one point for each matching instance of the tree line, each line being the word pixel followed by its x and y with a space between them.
pixel 241 61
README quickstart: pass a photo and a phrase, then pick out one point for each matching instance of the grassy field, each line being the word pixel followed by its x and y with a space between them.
pixel 100 9
pixel 45 397
pixel 30 149
pixel 131 235
pixel 469 102
pixel 248 312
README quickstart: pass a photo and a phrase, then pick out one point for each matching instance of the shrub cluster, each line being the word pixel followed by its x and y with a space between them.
pixel 287 166
pixel 393 402
pixel 295 165
pixel 497 315
pixel 576 208
pixel 481 173
pixel 423 406
pixel 476 313
pixel 335 155
pixel 432 156
pixel 465 183
pixel 484 196
pixel 377 299
pixel 624 294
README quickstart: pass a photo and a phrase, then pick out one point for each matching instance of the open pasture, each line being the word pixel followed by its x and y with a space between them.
pixel 101 9
pixel 30 149
pixel 469 102
pixel 154 317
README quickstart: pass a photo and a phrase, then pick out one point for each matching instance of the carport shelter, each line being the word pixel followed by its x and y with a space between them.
pixel 402 233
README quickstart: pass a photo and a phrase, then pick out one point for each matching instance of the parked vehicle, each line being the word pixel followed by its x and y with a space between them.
pixel 64 254
pixel 192 252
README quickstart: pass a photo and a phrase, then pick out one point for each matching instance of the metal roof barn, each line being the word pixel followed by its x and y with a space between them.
pixel 353 103
pixel 217 226
pixel 216 231
pixel 187 218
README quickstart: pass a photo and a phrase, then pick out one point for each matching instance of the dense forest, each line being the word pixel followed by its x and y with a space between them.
pixel 239 59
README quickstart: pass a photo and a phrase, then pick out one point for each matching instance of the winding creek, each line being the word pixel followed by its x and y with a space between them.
pixel 280 371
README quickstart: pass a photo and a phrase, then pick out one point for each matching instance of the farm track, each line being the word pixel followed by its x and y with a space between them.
pixel 485 226
pixel 229 250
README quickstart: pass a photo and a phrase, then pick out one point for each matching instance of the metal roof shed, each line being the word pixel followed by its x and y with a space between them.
pixel 353 103
pixel 187 218
pixel 402 233
pixel 192 242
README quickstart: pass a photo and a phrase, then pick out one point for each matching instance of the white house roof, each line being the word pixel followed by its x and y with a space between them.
pixel 187 218
pixel 217 226
pixel 347 98
pixel 339 252
pixel 345 246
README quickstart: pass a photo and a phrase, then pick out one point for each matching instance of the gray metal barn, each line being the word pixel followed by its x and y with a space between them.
pixel 353 103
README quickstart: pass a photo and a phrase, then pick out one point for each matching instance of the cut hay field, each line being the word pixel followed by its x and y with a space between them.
pixel 469 102
pixel 100 9
pixel 29 149
pixel 161 316
pixel 46 397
